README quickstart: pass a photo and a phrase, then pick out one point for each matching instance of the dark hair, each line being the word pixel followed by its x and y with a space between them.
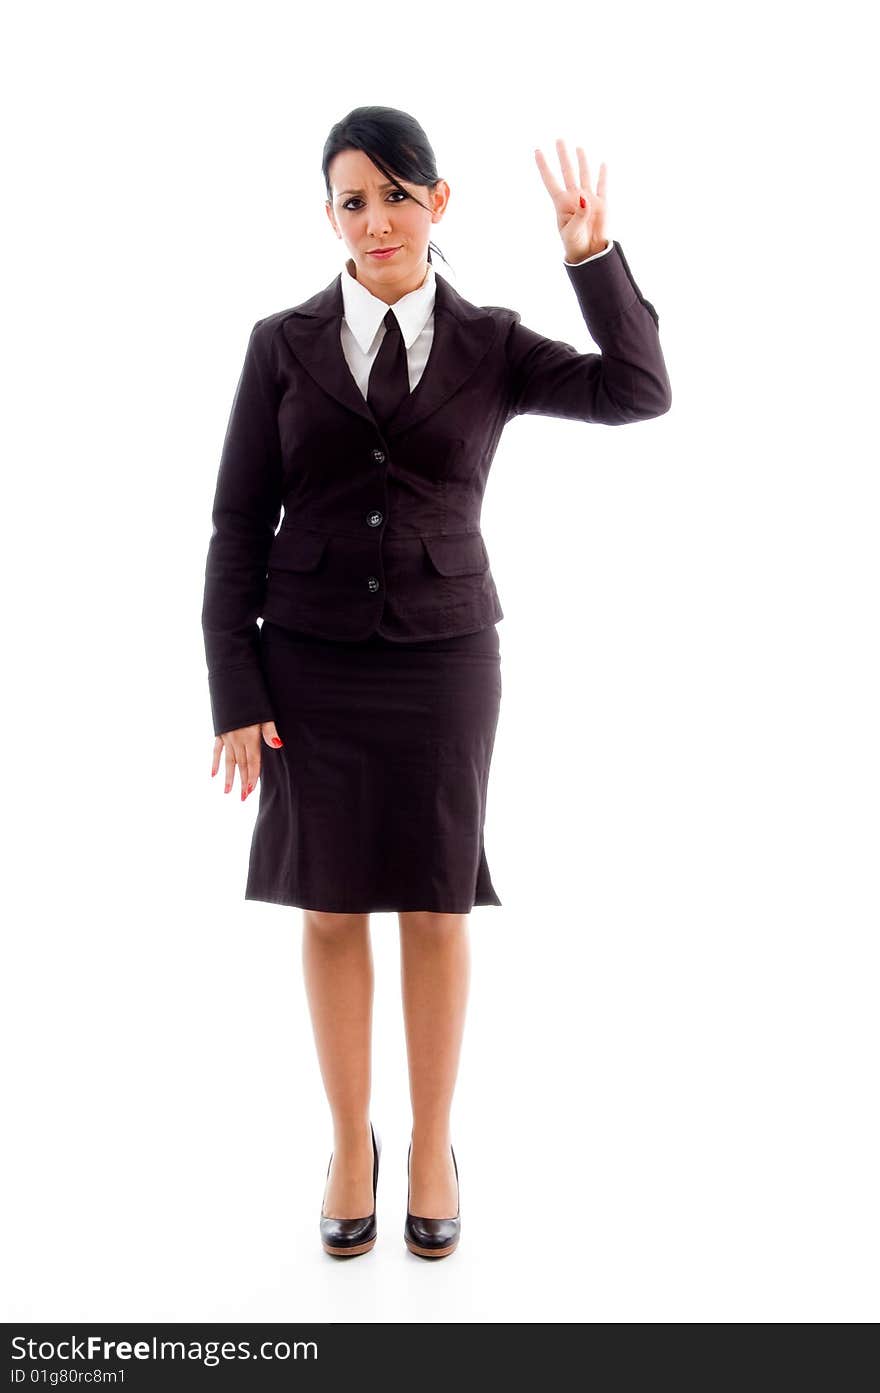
pixel 393 140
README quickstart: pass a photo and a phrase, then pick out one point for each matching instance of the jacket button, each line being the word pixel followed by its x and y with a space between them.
pixel 374 518
pixel 372 582
pixel 379 456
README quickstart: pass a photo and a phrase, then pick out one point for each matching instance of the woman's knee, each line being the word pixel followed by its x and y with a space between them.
pixel 330 925
pixel 428 921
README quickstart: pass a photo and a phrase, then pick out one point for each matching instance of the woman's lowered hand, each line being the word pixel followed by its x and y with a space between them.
pixel 244 753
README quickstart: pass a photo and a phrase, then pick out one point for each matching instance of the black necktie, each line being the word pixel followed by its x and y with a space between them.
pixel 389 376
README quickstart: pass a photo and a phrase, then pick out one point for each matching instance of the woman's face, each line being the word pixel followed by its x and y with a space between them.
pixel 368 213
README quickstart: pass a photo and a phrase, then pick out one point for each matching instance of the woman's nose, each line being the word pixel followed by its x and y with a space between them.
pixel 378 223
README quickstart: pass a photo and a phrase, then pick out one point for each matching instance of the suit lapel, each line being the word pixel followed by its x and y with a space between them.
pixel 463 334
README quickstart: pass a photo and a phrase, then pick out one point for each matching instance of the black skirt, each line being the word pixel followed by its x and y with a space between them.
pixel 377 799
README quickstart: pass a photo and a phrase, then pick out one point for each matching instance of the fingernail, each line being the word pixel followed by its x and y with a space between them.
pixel 250 788
pixel 276 741
pixel 583 201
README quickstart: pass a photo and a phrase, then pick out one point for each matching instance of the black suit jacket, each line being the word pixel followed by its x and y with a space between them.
pixel 381 527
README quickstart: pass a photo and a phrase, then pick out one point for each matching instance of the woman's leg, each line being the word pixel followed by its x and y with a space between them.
pixel 338 969
pixel 435 975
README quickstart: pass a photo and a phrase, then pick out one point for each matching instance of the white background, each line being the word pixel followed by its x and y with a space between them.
pixel 666 1109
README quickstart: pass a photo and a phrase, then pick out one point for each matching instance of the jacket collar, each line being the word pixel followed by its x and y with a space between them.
pixel 463 334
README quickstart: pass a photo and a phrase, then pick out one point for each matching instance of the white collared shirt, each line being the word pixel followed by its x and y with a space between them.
pixel 363 330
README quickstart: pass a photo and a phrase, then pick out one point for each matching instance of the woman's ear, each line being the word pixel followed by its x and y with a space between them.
pixel 328 208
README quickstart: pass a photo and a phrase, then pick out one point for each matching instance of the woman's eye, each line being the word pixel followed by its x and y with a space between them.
pixel 395 193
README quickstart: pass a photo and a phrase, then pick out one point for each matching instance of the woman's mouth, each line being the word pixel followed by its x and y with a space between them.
pixel 381 253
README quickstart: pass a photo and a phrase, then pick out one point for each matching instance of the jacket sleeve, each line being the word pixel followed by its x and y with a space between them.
pixel 626 382
pixel 246 511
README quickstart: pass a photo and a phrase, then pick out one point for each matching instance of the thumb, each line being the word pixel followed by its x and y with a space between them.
pixel 270 735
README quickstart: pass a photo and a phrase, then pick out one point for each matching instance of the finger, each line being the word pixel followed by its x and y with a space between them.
pixel 566 165
pixel 230 766
pixel 254 758
pixel 550 183
pixel 236 758
pixel 270 735
pixel 218 750
pixel 600 183
pixel 584 168
pixel 243 759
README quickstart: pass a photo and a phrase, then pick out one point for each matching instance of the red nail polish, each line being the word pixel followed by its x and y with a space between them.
pixel 276 741
pixel 583 201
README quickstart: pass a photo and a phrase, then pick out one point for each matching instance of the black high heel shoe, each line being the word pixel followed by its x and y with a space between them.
pixel 345 1238
pixel 431 1238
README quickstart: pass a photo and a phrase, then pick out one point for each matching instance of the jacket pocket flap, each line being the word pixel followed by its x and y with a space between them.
pixel 296 550
pixel 458 554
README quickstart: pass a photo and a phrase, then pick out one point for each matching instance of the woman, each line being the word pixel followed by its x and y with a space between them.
pixel 366 704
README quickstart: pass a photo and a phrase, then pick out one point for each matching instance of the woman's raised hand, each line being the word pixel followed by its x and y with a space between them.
pixel 243 752
pixel 582 228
